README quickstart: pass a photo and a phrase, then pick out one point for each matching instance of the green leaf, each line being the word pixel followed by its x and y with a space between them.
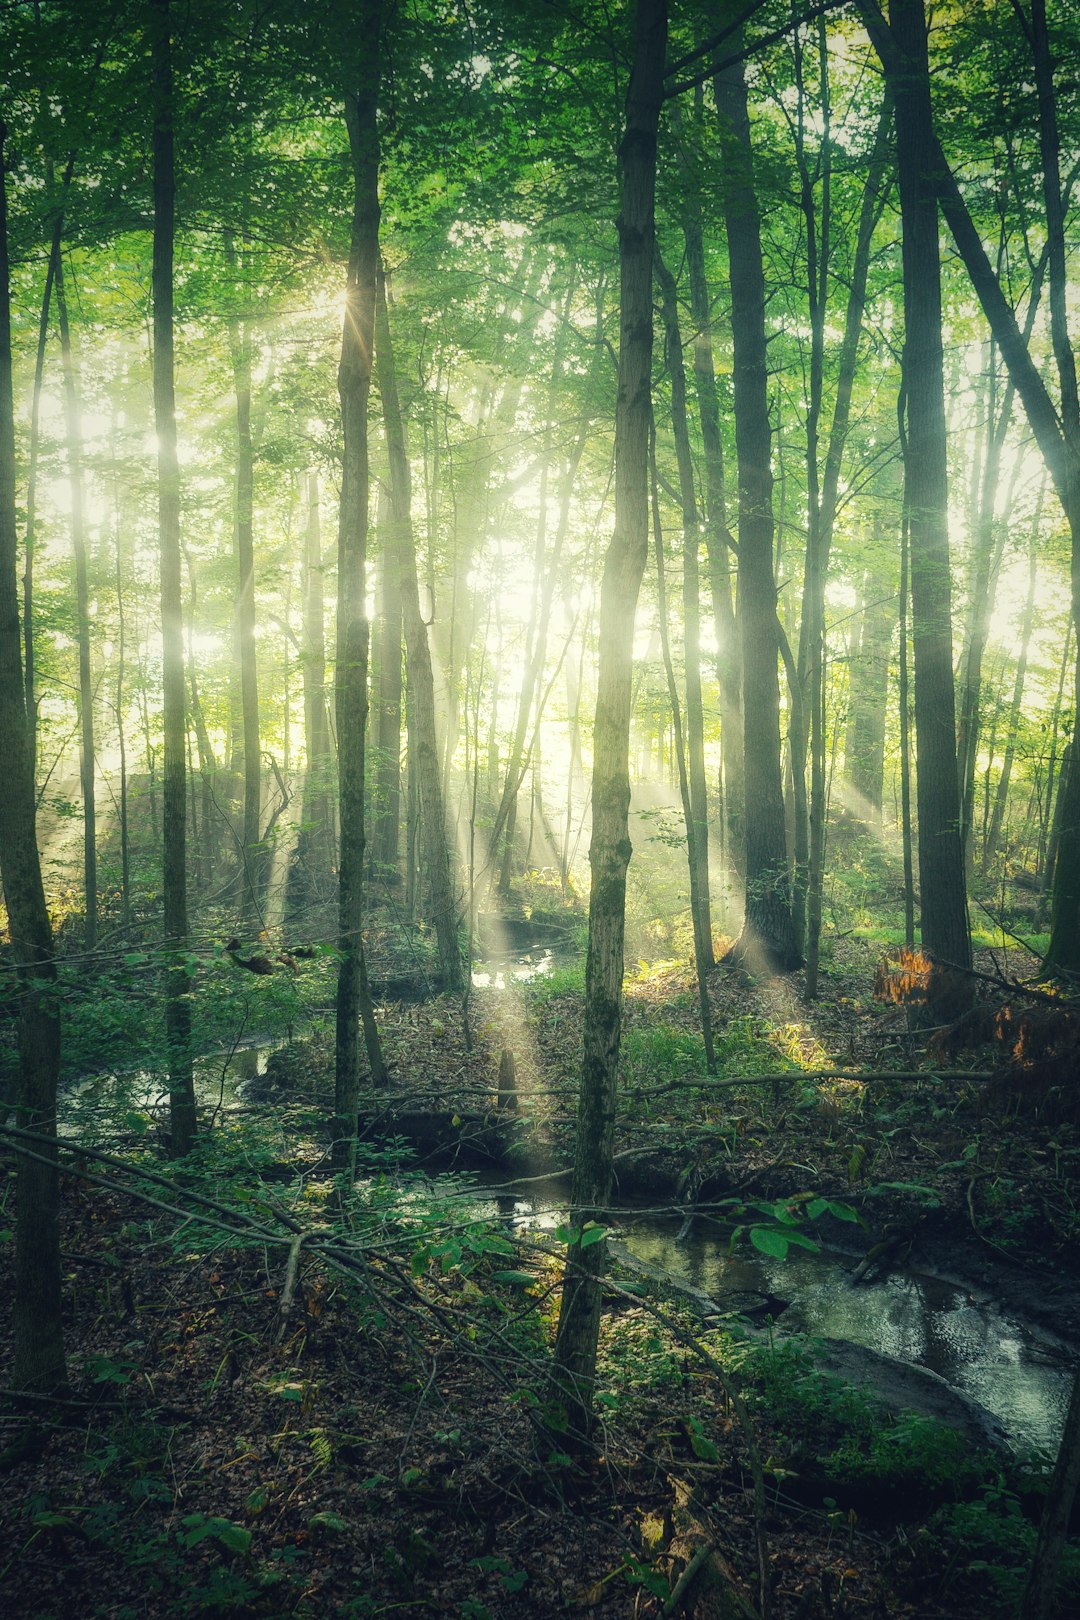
pixel 233 1537
pixel 770 1241
pixel 513 1279
pixel 327 1521
pixel 593 1232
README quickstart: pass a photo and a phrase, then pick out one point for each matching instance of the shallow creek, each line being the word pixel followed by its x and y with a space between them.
pixel 979 1347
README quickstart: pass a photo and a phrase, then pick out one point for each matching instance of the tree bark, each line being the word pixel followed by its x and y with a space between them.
pixel 1058 438
pixel 386 832
pixel 354 388
pixel 719 543
pixel 691 764
pixel 944 920
pixel 39 1345
pixel 766 938
pixel 251 854
pixel 174 768
pixel 1001 795
pixel 574 1368
pixel 73 425
pixel 699 908
pixel 423 742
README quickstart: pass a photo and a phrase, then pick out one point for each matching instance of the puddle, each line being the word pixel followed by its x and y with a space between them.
pixel 220 1079
pixel 498 971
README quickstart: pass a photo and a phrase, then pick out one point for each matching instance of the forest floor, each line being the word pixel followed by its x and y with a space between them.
pixel 375 1440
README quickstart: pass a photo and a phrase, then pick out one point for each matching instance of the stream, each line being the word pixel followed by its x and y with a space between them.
pixel 989 1354
pixel 976 1345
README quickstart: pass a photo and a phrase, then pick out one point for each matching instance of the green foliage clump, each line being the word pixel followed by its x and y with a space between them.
pixel 981 1550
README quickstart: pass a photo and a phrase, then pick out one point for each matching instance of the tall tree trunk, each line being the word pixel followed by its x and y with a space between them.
pixel 699 908
pixel 174 790
pixel 423 743
pixel 39 1345
pixel 354 387
pixel 73 423
pixel 944 920
pixel 29 682
pixel 386 833
pixel 1012 723
pixel 903 694
pixel 579 1315
pixel 766 938
pixel 309 874
pixel 1058 436
pixel 692 764
pixel 121 676
pixel 1044 865
pixel 718 540
pixel 251 855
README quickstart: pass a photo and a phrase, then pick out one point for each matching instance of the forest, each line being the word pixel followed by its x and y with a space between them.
pixel 540 820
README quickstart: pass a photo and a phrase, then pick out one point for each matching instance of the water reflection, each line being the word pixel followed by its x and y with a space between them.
pixel 974 1344
pixel 501 971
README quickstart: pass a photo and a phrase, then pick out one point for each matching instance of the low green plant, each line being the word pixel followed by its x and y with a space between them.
pixel 561 981
pixel 981 1551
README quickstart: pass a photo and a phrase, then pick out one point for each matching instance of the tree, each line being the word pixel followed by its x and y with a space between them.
pixel 354 387
pixel 766 938
pixel 945 931
pixel 423 743
pixel 39 1345
pixel 609 855
pixel 174 787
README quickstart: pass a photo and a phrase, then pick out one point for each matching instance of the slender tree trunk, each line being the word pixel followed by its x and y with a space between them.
pixel 121 729
pixel 1043 864
pixel 579 1316
pixel 310 871
pixel 944 920
pixel 766 938
pixel 39 1345
pixel 692 765
pixel 251 853
pixel 174 788
pixel 387 829
pixel 1012 724
pixel 29 682
pixel 73 421
pixel 1058 436
pixel 354 387
pixel 904 701
pixel 703 959
pixel 719 543
pixel 423 743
